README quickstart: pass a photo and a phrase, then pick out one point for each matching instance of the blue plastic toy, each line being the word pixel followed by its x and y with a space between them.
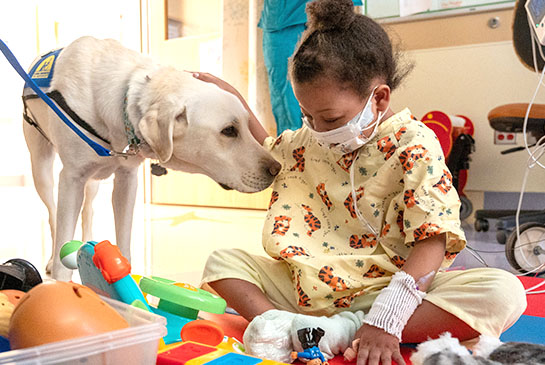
pixel 104 269
pixel 311 353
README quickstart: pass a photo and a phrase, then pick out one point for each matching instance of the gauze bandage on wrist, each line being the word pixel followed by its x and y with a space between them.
pixel 395 304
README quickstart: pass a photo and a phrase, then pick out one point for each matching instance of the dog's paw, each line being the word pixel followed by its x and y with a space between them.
pixel 49 267
pixel 61 273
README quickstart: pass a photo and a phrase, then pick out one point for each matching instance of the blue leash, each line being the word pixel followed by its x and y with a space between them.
pixel 100 150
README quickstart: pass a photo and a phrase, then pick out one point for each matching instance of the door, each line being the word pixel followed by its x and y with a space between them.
pixel 181 36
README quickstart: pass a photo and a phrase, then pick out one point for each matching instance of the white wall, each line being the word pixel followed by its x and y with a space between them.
pixel 471 80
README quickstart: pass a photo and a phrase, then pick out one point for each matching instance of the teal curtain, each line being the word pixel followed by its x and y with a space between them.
pixel 282 22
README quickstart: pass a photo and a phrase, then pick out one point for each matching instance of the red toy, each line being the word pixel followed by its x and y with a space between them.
pixel 229 351
pixel 455 134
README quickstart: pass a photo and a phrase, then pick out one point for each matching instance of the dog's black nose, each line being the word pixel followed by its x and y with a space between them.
pixel 226 187
pixel 275 168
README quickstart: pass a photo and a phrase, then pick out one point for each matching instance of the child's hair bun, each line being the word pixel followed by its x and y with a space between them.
pixel 330 14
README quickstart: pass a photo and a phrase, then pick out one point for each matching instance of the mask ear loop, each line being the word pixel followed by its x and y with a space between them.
pixel 374 125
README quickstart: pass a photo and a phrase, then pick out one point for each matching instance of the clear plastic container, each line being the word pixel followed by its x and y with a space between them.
pixel 132 346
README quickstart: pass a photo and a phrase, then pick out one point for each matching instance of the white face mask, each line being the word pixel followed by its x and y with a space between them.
pixel 349 137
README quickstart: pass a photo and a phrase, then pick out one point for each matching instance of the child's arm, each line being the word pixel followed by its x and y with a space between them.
pixel 425 258
pixel 256 128
pixel 381 333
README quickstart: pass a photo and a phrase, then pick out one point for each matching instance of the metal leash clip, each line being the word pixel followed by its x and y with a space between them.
pixel 130 150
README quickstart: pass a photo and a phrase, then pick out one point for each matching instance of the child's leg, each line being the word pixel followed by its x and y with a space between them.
pixel 250 284
pixel 272 333
pixel 468 303
pixel 430 321
pixel 244 297
pixel 254 286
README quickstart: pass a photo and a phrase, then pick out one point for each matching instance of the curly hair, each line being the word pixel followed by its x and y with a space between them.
pixel 350 48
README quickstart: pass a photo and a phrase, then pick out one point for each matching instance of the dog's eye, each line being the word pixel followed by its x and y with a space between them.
pixel 230 131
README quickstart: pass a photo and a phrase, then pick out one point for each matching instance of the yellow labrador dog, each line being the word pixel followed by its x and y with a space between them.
pixel 122 96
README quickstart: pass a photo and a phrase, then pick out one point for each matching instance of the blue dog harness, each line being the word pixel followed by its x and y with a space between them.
pixel 43 72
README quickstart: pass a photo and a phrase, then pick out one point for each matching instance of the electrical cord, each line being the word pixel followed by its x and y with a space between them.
pixel 476 255
pixel 485 251
pixel 534 155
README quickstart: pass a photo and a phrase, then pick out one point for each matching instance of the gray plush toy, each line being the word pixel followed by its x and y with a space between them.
pixel 447 350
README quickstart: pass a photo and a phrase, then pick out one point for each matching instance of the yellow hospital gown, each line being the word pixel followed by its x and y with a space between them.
pixel 325 260
pixel 403 190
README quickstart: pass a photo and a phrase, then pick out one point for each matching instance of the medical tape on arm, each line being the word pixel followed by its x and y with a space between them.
pixel 395 304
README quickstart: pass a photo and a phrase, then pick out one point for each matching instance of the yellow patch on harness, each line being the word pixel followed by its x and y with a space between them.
pixel 44 68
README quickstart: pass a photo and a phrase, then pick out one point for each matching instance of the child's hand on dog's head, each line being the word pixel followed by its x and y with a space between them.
pixel 208 77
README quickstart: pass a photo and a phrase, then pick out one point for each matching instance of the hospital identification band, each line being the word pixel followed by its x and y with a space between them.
pixel 395 304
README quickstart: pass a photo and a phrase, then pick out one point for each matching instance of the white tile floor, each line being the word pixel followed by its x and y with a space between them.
pixel 184 237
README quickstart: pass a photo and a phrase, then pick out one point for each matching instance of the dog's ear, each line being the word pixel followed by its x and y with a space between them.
pixel 158 134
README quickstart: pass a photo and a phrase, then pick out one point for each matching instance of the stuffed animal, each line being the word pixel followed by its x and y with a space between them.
pixel 489 351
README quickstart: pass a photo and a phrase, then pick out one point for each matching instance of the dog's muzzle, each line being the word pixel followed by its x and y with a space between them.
pixel 258 181
pixel 225 186
pixel 274 168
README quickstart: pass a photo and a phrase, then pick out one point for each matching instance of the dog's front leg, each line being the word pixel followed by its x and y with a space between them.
pixel 70 198
pixel 91 190
pixel 123 199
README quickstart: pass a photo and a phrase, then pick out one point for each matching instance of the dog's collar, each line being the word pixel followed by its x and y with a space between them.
pixel 133 146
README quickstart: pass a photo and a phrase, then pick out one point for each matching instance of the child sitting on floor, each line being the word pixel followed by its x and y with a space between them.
pixel 363 214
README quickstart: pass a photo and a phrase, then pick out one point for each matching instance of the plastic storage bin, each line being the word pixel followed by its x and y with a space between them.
pixel 131 346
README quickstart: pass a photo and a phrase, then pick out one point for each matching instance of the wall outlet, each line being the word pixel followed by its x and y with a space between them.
pixel 505 138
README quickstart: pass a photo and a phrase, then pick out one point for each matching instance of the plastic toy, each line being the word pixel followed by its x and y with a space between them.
pixel 69 254
pixel 102 268
pixel 181 299
pixel 351 352
pixel 455 134
pixel 309 341
pixel 115 270
pixel 56 311
pixel 6 310
pixel 192 353
pixel 14 296
pixel 19 274
pixel 203 331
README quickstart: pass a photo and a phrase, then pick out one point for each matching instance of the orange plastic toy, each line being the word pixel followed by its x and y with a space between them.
pixel 56 311
pixel 202 331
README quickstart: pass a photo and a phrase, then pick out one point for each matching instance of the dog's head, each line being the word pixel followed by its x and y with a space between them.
pixel 195 126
